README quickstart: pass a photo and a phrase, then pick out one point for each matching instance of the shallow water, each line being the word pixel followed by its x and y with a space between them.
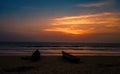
pixel 55 49
pixel 58 52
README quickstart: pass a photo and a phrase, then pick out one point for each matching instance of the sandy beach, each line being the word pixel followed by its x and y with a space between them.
pixel 58 65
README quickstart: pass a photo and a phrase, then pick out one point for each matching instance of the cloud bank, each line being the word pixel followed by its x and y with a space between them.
pixel 106 22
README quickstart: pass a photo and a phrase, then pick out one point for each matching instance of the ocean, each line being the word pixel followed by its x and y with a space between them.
pixel 55 48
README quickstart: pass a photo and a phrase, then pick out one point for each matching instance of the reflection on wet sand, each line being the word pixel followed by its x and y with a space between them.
pixel 58 52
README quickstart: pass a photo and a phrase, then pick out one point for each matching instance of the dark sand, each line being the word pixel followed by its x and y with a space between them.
pixel 57 65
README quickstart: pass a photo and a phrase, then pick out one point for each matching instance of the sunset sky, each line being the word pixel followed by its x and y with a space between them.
pixel 60 20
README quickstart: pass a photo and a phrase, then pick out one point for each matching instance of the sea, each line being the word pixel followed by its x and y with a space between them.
pixel 55 48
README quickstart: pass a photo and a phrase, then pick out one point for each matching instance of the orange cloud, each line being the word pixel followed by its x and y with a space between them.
pixel 69 30
pixel 86 19
pixel 82 24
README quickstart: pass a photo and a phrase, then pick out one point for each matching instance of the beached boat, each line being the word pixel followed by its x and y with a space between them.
pixel 70 57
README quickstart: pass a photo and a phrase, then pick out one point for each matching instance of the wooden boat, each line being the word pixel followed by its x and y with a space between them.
pixel 70 57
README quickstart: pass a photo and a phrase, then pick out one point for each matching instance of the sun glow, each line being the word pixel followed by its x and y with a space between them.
pixel 69 30
pixel 82 24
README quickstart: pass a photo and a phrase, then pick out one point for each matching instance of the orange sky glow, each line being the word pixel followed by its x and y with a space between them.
pixel 82 24
pixel 60 20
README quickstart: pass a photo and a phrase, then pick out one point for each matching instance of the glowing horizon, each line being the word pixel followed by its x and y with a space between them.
pixel 60 20
pixel 83 24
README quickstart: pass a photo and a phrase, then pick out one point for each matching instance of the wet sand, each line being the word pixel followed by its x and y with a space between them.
pixel 58 65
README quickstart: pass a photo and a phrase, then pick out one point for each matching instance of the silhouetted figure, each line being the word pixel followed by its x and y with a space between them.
pixel 35 56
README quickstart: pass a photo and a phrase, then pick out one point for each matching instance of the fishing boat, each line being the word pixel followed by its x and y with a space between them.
pixel 70 57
